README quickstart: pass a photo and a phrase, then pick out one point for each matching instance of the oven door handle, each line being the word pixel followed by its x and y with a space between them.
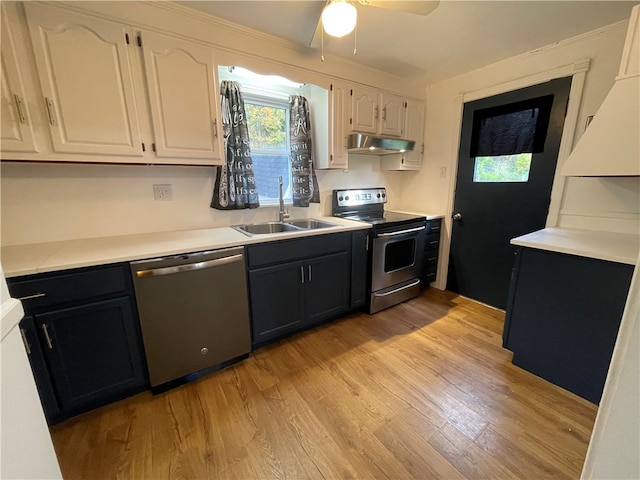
pixel 404 287
pixel 401 232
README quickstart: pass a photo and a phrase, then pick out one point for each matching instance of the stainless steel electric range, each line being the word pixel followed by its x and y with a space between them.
pixel 396 246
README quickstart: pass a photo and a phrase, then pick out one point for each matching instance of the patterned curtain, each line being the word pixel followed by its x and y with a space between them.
pixel 305 183
pixel 235 186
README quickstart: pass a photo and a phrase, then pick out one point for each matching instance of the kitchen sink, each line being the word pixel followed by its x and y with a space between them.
pixel 265 228
pixel 251 229
pixel 310 223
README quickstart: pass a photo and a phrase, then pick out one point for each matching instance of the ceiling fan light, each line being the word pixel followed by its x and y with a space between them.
pixel 339 18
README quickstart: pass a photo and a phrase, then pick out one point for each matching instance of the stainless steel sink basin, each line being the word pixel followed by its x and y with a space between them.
pixel 251 229
pixel 311 223
pixel 265 228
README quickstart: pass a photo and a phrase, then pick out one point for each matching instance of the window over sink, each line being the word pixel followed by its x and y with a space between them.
pixel 266 100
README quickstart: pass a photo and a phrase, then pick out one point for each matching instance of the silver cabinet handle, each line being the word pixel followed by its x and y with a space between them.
pixel 25 341
pixel 156 272
pixel 384 113
pixel 302 274
pixel 19 108
pixel 413 284
pixel 376 113
pixel 457 216
pixel 46 336
pixel 408 230
pixel 366 243
pixel 214 124
pixel 29 297
pixel 310 273
pixel 50 110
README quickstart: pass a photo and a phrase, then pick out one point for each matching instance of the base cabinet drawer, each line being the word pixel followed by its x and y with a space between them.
pixel 84 352
pixel 431 252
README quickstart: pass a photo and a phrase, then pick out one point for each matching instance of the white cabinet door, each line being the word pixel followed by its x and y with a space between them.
pixel 182 99
pixel 392 116
pixel 84 67
pixel 338 118
pixel 16 130
pixel 414 130
pixel 364 110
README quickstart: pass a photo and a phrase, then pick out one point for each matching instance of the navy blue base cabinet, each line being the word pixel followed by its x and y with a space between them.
pixel 82 335
pixel 563 317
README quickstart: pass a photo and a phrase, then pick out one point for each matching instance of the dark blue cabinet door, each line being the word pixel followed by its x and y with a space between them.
pixel 359 268
pixel 93 351
pixel 326 287
pixel 276 300
pixel 39 367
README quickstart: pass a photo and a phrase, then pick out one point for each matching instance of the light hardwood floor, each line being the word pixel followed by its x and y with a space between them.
pixel 422 390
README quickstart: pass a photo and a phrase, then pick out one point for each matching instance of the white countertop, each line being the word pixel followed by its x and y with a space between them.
pixel 430 216
pixel 48 257
pixel 613 247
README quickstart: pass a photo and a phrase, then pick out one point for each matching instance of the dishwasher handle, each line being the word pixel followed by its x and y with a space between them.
pixel 157 272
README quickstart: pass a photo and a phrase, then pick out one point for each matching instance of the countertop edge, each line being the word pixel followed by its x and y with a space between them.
pixel 608 246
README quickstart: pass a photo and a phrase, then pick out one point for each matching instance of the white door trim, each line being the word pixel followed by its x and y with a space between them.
pixel 578 70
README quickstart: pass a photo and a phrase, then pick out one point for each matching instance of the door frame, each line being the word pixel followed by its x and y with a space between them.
pixel 578 70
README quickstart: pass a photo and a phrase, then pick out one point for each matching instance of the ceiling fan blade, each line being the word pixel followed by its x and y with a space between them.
pixel 416 7
pixel 317 36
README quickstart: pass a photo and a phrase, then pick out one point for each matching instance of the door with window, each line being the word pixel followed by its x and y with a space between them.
pixel 506 165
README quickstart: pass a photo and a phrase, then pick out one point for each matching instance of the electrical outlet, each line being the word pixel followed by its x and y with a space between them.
pixel 163 192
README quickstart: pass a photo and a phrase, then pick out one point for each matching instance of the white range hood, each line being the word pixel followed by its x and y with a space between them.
pixel 611 144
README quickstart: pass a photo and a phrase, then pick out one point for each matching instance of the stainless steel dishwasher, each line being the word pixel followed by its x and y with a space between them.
pixel 193 311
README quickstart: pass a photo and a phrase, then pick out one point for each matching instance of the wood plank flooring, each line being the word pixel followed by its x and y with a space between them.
pixel 422 390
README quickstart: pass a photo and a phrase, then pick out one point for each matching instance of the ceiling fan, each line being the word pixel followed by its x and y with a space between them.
pixel 339 16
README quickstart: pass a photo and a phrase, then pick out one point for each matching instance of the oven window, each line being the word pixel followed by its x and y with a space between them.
pixel 401 254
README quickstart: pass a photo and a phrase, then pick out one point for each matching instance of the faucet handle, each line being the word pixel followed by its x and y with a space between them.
pixel 286 214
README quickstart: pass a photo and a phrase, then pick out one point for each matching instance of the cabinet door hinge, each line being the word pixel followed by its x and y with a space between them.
pixel 351 121
pixel 143 147
pixel 351 92
pixel 139 40
pixel 331 157
pixel 126 38
pixel 331 87
pixel 153 147
pixel 405 104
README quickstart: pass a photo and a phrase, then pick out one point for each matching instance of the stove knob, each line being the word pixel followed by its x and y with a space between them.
pixel 340 198
pixel 378 195
pixel 346 197
pixel 384 195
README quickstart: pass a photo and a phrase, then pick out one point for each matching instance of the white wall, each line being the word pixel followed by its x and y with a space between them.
pixel 612 204
pixel 44 202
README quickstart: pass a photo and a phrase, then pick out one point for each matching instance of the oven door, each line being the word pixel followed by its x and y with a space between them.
pixel 397 255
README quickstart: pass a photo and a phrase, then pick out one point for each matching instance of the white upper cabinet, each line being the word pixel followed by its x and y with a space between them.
pixel 376 112
pixel 414 130
pixel 182 98
pixel 111 94
pixel 364 110
pixel 338 116
pixel 392 114
pixel 84 65
pixel 16 129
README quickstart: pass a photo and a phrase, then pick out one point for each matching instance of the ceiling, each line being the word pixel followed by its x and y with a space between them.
pixel 458 36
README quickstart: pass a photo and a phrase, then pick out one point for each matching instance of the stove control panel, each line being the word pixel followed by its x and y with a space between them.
pixel 352 198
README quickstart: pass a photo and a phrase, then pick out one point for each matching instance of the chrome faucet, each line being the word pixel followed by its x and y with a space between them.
pixel 282 214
